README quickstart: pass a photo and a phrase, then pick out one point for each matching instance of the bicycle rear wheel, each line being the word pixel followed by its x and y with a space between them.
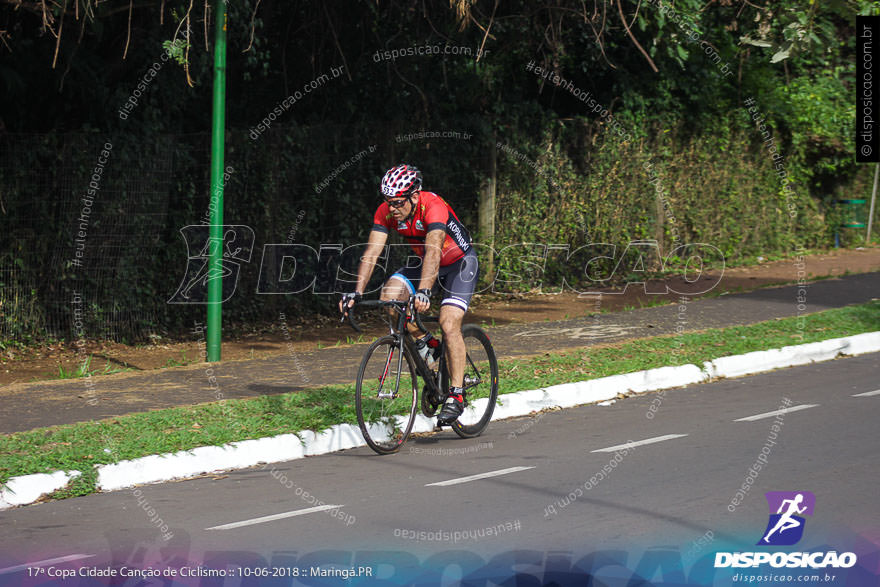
pixel 480 382
pixel 385 396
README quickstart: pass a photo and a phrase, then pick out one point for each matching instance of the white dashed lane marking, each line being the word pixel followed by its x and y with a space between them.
pixel 629 445
pixel 479 476
pixel 273 517
pixel 868 393
pixel 776 413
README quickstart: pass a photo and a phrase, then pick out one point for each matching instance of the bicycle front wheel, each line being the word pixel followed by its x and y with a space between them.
pixel 386 396
pixel 480 382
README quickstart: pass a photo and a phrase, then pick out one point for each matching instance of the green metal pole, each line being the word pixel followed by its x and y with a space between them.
pixel 215 262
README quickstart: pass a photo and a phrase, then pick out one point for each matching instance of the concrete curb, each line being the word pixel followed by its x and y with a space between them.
pixel 248 453
pixel 791 356
pixel 30 488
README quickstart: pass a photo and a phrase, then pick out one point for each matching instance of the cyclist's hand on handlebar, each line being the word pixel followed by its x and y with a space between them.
pixel 348 300
pixel 423 300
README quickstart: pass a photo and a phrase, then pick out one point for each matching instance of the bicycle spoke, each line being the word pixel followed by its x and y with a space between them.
pixel 480 383
pixel 386 396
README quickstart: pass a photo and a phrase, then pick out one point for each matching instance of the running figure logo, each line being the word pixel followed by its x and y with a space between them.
pixel 235 249
pixel 786 526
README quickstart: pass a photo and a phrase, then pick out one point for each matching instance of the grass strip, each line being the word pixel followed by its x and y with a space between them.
pixel 81 446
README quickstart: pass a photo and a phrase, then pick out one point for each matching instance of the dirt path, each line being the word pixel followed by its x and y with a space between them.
pixel 498 309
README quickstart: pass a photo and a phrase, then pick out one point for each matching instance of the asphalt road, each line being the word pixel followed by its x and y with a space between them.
pixel 669 503
pixel 48 403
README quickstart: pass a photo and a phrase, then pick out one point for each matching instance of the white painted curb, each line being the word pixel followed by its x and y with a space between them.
pixel 790 356
pixel 860 344
pixel 29 488
pixel 286 447
pixel 204 459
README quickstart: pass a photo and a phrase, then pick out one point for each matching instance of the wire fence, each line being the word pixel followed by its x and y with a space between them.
pixel 92 244
pixel 92 223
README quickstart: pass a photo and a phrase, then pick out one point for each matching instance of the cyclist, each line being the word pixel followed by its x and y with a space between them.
pixel 437 236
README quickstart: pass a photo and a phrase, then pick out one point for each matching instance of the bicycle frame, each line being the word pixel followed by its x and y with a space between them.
pixel 406 312
pixel 385 439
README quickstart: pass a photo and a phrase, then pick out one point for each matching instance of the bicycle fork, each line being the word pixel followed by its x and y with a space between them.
pixel 385 395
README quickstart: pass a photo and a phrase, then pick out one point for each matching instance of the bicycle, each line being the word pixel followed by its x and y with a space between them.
pixel 387 394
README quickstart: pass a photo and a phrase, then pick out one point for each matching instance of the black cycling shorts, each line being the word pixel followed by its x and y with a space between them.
pixel 457 280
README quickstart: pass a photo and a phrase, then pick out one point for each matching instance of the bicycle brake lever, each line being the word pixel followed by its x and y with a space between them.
pixel 350 315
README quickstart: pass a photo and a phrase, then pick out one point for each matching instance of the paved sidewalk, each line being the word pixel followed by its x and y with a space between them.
pixel 47 403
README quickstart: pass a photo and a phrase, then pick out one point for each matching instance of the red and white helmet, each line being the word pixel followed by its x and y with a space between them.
pixel 401 181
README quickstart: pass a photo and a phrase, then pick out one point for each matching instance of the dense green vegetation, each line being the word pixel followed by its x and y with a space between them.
pixel 647 137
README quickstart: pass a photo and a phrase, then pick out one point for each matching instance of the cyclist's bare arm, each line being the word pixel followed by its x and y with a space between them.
pixel 375 246
pixel 431 262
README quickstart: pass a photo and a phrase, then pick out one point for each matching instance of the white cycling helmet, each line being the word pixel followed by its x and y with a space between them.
pixel 401 181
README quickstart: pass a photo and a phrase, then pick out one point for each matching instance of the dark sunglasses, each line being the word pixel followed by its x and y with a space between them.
pixel 397 203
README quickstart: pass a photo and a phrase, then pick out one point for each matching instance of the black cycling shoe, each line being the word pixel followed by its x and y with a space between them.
pixel 452 409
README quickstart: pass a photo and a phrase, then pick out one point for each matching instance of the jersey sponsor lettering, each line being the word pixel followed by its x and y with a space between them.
pixel 432 212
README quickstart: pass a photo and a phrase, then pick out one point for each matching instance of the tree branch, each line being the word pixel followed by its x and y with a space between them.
pixel 488 28
pixel 128 35
pixel 635 42
pixel 37 7
pixel 58 36
pixel 636 15
pixel 82 30
pixel 336 40
pixel 205 28
pixel 253 26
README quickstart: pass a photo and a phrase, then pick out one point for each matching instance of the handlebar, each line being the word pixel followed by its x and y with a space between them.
pixel 397 304
pixel 349 312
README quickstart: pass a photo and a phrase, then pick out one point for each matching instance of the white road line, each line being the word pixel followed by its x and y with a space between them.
pixel 639 443
pixel 776 413
pixel 274 517
pixel 867 393
pixel 480 476
pixel 48 561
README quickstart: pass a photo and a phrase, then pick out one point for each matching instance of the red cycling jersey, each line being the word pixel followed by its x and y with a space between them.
pixel 431 213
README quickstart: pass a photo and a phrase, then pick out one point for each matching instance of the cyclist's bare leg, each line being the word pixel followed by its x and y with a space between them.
pixel 450 321
pixel 394 289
